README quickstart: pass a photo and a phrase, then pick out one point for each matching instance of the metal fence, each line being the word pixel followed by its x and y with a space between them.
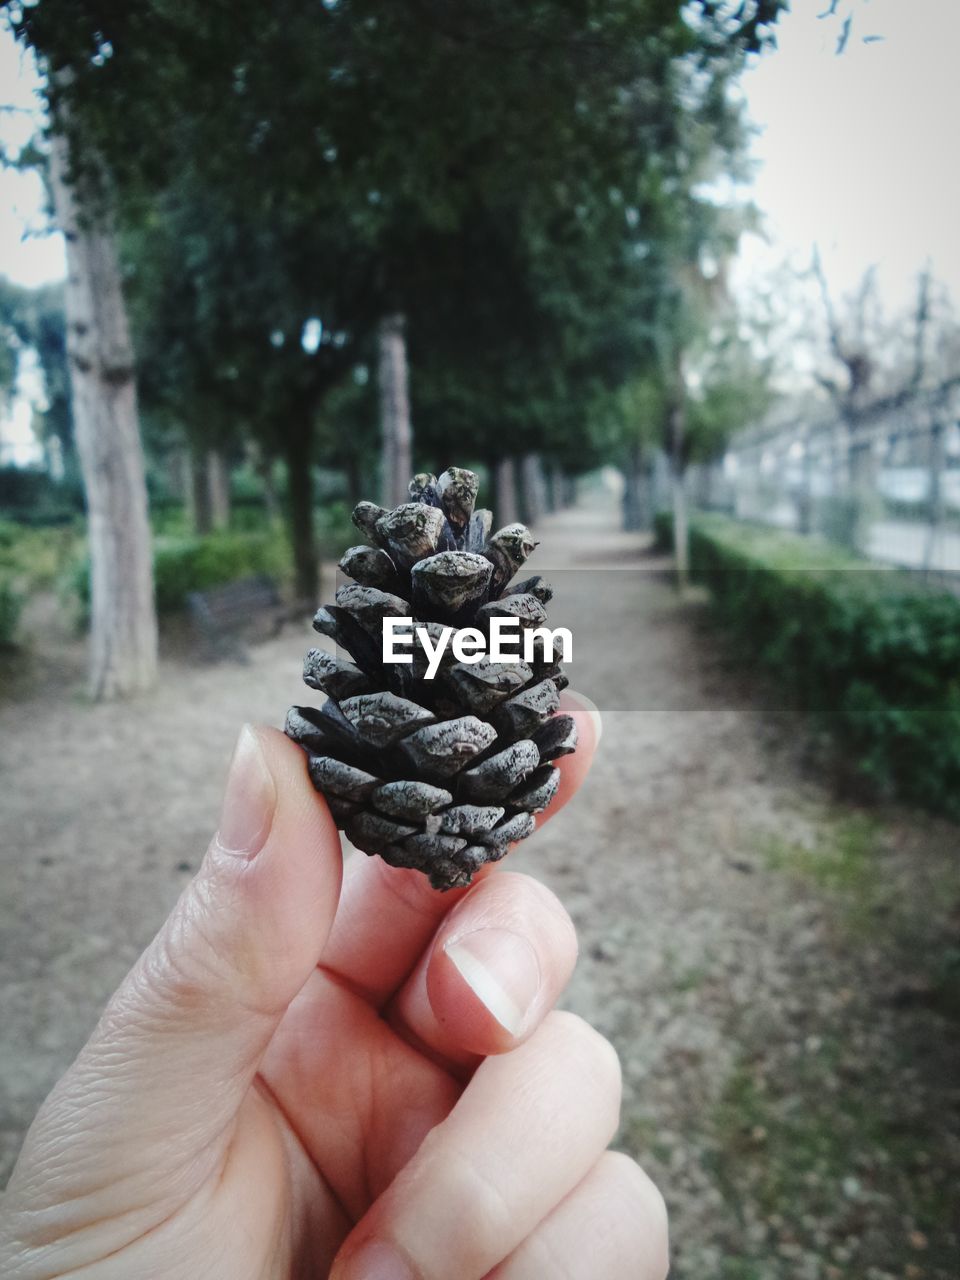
pixel 886 484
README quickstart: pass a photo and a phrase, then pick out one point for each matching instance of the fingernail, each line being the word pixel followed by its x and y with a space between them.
pixel 249 800
pixel 501 969
pixel 592 710
pixel 374 1261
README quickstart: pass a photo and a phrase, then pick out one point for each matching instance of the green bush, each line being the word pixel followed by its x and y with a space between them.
pixel 33 498
pixel 185 564
pixel 870 653
pixel 37 557
pixel 11 603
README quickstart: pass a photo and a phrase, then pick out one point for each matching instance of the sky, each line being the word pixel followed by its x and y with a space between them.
pixel 857 153
pixel 854 153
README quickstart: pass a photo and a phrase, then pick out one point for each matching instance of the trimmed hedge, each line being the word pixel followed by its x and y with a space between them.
pixel 185 564
pixel 11 604
pixel 870 653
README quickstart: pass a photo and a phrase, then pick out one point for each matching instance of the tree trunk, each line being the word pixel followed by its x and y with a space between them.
pixel 395 431
pixel 805 495
pixel 681 529
pixel 178 474
pixel 201 513
pixel 504 492
pixel 935 497
pixel 299 459
pixel 354 476
pixel 533 498
pixel 123 623
pixel 552 486
pixel 218 485
pixel 636 491
pixel 262 466
pixel 676 430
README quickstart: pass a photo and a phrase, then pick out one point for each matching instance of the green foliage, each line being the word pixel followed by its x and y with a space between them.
pixel 32 497
pixel 30 559
pixel 185 564
pixel 194 564
pixel 11 604
pixel 503 175
pixel 33 319
pixel 871 653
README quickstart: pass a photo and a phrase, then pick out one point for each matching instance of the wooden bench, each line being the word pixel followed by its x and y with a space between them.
pixel 224 616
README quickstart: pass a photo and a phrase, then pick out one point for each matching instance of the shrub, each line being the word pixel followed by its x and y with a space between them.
pixel 870 653
pixel 185 564
pixel 11 603
pixel 182 565
pixel 32 497
pixel 37 557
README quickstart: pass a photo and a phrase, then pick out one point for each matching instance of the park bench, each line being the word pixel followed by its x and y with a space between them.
pixel 224 617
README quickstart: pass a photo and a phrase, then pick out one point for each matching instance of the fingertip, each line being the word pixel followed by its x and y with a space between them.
pixel 575 767
pixel 288 764
pixel 587 715
pixel 497 966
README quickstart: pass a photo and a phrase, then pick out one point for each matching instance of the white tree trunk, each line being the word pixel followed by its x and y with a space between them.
pixel 534 488
pixel 396 433
pixel 681 528
pixel 123 624
pixel 505 492
pixel 218 482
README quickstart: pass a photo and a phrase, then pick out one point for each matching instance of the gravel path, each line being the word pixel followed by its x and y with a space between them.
pixel 778 970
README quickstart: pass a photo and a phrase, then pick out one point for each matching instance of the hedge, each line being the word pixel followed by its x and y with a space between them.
pixel 11 603
pixel 871 653
pixel 185 564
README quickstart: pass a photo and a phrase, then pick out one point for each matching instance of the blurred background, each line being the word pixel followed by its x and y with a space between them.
pixel 680 281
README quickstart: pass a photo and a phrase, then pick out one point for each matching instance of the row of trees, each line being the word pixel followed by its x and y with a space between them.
pixel 495 214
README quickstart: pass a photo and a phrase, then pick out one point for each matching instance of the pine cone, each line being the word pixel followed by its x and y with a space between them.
pixel 440 774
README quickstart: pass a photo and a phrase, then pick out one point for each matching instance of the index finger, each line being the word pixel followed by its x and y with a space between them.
pixel 388 915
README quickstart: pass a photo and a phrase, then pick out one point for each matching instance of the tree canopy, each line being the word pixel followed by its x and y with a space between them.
pixel 521 182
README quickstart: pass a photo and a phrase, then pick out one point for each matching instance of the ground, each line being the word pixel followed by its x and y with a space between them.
pixel 776 967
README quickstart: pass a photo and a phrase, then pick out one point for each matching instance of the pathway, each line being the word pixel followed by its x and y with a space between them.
pixel 765 960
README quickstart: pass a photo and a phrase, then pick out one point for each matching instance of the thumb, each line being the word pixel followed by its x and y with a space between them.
pixel 160 1080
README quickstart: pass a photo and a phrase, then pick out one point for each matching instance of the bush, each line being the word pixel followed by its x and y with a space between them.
pixel 37 557
pixel 182 565
pixel 185 564
pixel 11 603
pixel 870 653
pixel 32 497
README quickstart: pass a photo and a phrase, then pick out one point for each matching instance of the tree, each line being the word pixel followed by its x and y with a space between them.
pixel 288 146
pixel 123 624
pixel 395 430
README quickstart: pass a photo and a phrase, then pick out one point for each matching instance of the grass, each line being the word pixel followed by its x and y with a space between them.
pixel 837 1143
pixel 847 865
pixel 842 862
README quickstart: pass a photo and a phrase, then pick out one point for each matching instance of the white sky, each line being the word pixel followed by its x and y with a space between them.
pixel 856 153
pixel 26 257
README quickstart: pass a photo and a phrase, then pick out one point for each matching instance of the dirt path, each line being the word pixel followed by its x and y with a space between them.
pixel 774 968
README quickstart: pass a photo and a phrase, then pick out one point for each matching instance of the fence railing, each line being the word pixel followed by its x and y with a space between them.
pixel 885 482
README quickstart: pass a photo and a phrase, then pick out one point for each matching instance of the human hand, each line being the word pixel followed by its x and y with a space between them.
pixel 303 1079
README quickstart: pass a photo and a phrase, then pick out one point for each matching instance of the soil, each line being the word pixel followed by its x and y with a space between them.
pixel 778 968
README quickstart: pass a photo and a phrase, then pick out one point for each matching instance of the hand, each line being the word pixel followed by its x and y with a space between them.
pixel 299 1079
